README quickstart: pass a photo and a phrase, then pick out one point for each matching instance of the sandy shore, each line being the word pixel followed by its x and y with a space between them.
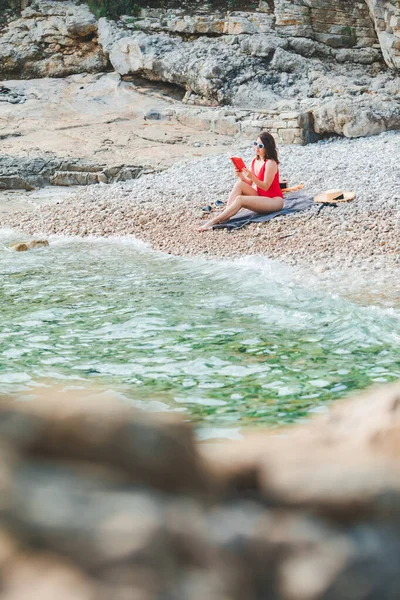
pixel 165 208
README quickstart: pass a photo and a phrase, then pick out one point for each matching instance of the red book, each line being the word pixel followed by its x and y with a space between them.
pixel 238 162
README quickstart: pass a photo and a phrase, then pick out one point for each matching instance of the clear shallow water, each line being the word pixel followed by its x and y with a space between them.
pixel 226 344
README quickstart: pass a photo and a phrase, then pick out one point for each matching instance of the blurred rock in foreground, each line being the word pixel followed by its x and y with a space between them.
pixel 98 502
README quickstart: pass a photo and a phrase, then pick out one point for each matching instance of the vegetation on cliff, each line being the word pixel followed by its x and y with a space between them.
pixel 9 8
pixel 115 8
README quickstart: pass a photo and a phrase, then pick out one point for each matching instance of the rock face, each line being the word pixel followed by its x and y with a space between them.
pixel 302 56
pixel 290 56
pixel 51 39
pixel 101 502
pixel 344 24
pixel 386 17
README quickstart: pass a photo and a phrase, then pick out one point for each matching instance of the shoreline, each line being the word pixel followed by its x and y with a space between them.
pixel 164 210
pixel 283 238
pixel 367 284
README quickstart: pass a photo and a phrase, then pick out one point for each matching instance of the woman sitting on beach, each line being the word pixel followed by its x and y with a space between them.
pixel 258 189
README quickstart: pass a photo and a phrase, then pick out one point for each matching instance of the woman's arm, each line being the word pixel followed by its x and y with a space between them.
pixel 271 169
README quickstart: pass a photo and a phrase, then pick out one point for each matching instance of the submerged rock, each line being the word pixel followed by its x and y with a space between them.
pixel 24 246
pixel 20 246
pixel 38 244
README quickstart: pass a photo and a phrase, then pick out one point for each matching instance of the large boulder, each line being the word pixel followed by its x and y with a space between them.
pixel 109 33
pixel 211 69
pixel 357 119
pixel 289 62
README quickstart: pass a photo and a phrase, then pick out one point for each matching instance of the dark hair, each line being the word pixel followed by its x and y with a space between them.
pixel 270 146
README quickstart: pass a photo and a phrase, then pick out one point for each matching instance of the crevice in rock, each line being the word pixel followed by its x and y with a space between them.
pixel 88 38
pixel 327 137
pixel 9 135
pixel 164 89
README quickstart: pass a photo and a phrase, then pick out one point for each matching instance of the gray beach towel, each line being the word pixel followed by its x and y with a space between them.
pixel 294 202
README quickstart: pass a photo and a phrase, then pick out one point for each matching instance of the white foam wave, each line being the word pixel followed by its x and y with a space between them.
pixel 125 240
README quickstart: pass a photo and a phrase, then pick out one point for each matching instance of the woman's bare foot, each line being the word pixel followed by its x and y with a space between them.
pixel 206 227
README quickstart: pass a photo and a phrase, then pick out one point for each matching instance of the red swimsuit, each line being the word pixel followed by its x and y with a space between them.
pixel 274 190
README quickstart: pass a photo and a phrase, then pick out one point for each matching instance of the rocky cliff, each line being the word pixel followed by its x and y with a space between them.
pixel 336 67
pixel 305 57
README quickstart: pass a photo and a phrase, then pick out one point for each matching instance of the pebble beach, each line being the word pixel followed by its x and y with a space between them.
pixel 164 208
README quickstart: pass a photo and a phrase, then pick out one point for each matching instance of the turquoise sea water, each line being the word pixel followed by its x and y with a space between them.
pixel 225 344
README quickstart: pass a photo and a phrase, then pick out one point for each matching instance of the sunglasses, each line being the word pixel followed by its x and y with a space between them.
pixel 259 145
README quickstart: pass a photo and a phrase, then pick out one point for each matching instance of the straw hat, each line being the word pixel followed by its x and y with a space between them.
pixel 333 196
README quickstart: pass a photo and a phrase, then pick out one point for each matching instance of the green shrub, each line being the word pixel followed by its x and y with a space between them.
pixel 9 8
pixel 113 8
pixel 14 5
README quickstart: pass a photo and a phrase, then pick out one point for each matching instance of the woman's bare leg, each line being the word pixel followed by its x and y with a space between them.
pixel 259 204
pixel 240 189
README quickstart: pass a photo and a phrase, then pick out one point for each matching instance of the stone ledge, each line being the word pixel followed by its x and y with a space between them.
pixel 286 127
pixel 172 21
pixel 29 174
